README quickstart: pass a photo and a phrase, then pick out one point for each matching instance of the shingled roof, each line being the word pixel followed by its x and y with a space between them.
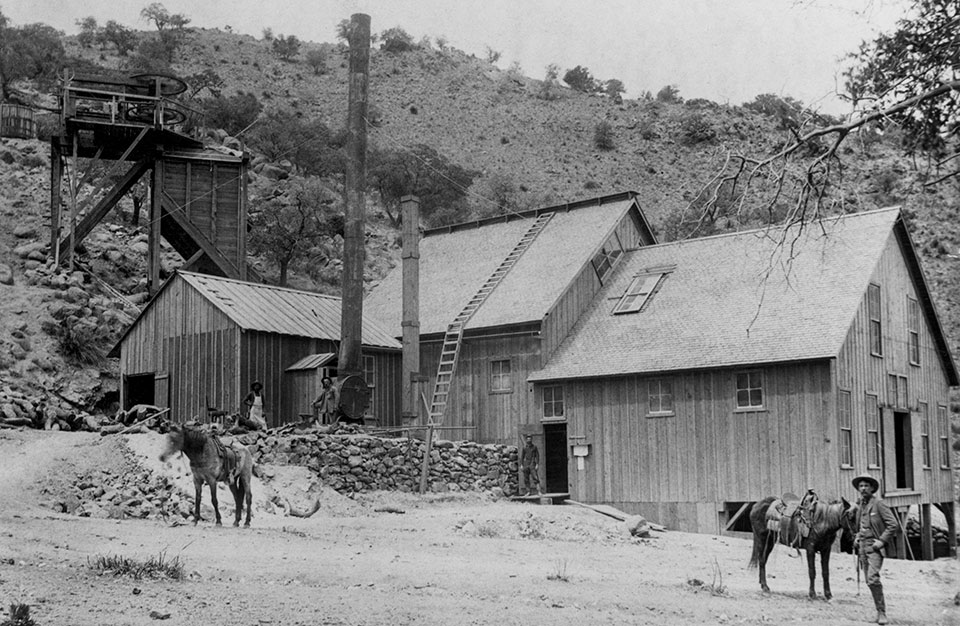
pixel 732 300
pixel 455 262
pixel 259 307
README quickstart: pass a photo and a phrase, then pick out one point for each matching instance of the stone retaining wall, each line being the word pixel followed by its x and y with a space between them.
pixel 352 463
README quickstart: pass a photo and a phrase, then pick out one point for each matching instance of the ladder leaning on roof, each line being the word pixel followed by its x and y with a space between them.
pixel 452 339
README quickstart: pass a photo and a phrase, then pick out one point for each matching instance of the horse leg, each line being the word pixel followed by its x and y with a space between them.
pixel 235 489
pixel 812 571
pixel 213 497
pixel 248 495
pixel 198 493
pixel 765 549
pixel 825 572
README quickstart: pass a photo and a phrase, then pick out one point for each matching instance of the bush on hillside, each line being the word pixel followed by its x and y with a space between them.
pixel 317 61
pixel 669 94
pixel 580 79
pixel 603 136
pixel 232 113
pixel 787 111
pixel 286 47
pixel 396 40
pixel 696 128
pixel 119 36
pixel 306 142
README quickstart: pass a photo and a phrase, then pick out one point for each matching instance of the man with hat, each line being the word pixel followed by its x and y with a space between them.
pixel 876 525
pixel 530 462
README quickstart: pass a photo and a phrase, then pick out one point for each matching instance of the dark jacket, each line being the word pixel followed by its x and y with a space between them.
pixel 881 520
pixel 529 456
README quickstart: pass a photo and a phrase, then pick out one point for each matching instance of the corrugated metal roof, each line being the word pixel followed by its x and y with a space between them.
pixel 454 265
pixel 312 361
pixel 266 308
pixel 731 300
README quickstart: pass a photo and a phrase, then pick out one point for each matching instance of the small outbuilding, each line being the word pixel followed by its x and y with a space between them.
pixel 203 340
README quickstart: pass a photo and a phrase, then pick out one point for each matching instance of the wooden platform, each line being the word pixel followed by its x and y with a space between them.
pixel 543 498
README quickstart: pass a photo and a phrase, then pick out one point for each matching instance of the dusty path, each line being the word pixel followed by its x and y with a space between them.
pixel 460 560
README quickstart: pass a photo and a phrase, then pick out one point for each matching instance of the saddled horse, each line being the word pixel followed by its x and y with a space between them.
pixel 809 524
pixel 213 462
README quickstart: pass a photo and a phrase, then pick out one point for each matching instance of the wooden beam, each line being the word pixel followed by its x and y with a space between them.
pixel 56 179
pixel 174 212
pixel 733 520
pixel 103 207
pixel 154 228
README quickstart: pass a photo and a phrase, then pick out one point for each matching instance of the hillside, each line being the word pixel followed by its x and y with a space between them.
pixel 536 151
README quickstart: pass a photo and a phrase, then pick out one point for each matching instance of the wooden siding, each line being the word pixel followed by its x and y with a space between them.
pixel 211 196
pixel 862 373
pixel 487 416
pixel 183 335
pixel 706 453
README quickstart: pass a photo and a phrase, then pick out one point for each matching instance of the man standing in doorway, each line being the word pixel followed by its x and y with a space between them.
pixel 530 462
pixel 328 402
pixel 876 526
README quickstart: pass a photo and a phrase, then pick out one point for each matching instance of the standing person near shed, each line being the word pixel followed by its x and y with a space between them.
pixel 254 419
pixel 876 526
pixel 530 462
pixel 328 402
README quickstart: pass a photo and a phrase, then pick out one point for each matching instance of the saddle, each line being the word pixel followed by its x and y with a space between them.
pixel 791 518
pixel 229 461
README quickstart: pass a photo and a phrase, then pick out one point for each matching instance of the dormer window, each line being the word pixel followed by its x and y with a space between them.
pixel 607 257
pixel 639 291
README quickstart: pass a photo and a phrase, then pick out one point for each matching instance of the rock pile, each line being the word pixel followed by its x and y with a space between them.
pixel 353 463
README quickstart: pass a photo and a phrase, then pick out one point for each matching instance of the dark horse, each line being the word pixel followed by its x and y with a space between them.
pixel 813 527
pixel 213 462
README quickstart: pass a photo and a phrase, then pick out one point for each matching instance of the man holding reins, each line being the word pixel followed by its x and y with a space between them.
pixel 876 526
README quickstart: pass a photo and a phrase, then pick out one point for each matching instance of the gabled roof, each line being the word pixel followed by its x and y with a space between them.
pixel 457 260
pixel 265 308
pixel 732 300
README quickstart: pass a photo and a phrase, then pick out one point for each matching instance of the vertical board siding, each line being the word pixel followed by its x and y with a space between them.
pixel 706 453
pixel 569 308
pixel 861 373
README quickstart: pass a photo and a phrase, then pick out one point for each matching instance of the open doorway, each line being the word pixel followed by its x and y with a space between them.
pixel 138 389
pixel 903 446
pixel 555 457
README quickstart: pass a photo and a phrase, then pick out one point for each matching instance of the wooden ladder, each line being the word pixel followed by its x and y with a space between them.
pixel 452 339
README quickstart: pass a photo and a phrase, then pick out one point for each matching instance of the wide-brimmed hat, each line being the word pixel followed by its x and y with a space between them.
pixel 866 477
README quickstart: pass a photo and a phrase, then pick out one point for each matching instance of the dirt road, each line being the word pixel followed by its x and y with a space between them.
pixel 390 558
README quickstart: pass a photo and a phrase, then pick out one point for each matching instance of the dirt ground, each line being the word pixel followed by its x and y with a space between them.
pixel 390 558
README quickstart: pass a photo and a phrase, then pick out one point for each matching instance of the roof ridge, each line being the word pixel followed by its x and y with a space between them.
pixel 247 283
pixel 831 218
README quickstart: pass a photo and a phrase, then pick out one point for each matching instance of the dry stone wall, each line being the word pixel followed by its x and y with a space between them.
pixel 353 463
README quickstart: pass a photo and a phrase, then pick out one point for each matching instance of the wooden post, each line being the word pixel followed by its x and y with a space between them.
pixel 56 178
pixel 153 233
pixel 926 533
pixel 410 324
pixel 425 468
pixel 351 319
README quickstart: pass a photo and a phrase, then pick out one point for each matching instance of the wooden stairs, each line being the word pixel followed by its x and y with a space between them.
pixel 453 337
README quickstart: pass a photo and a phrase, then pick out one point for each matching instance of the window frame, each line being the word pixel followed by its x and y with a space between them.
pixel 845 424
pixel 872 425
pixel 925 452
pixel 371 371
pixel 552 402
pixel 913 331
pixel 607 260
pixel 749 389
pixel 648 281
pixel 500 376
pixel 943 431
pixel 875 319
pixel 660 383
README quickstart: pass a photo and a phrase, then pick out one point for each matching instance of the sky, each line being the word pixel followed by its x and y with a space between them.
pixel 727 51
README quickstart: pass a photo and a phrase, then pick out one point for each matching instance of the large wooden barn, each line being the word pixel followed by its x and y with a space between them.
pixel 203 340
pixel 684 381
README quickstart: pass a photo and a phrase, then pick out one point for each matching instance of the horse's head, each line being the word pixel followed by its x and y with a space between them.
pixel 848 526
pixel 173 443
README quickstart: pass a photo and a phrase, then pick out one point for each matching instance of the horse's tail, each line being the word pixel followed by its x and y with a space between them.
pixel 758 522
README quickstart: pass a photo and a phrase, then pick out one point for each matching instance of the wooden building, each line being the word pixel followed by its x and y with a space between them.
pixel 203 340
pixel 685 381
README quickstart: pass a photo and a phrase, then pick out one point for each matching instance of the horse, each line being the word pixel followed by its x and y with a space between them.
pixel 212 462
pixel 812 526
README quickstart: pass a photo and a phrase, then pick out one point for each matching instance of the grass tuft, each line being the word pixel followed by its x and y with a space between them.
pixel 154 567
pixel 559 571
pixel 19 616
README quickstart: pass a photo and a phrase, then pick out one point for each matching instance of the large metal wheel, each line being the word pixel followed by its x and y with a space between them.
pixel 161 84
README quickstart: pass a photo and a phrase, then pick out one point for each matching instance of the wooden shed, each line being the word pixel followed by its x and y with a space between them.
pixel 710 373
pixel 203 340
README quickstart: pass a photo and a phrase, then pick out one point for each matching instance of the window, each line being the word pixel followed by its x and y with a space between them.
pixel 913 330
pixel 844 410
pixel 897 391
pixel 925 433
pixel 500 380
pixel 660 395
pixel 369 370
pixel 873 312
pixel 604 261
pixel 553 401
pixel 943 427
pixel 873 431
pixel 637 293
pixel 749 390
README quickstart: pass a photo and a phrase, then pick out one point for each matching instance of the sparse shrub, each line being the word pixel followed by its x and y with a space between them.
pixel 701 103
pixel 559 571
pixel 580 79
pixel 19 616
pixel 603 136
pixel 492 55
pixel 442 43
pixel 695 128
pixel 317 60
pixel 669 94
pixel 396 40
pixel 268 34
pixel 81 341
pixel 549 86
pixel 787 111
pixel 286 47
pixel 648 129
pixel 154 567
pixel 613 88
pixel 232 113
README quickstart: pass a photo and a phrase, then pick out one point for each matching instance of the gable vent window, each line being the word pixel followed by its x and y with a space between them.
pixel 637 293
pixel 604 260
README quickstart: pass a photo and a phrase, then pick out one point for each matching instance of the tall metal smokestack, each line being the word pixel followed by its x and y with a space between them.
pixel 351 321
pixel 410 324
